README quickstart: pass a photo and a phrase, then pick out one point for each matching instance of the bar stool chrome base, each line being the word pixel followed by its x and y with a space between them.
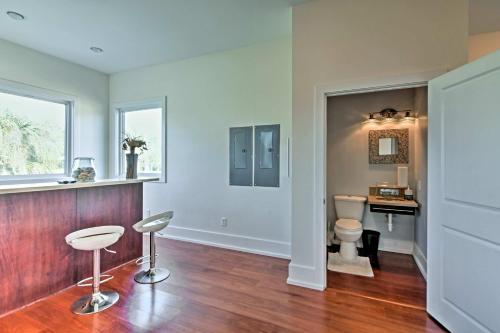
pixel 94 239
pixel 153 275
pixel 152 224
pixel 95 303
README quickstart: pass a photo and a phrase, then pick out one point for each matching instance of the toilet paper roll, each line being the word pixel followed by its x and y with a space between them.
pixel 403 176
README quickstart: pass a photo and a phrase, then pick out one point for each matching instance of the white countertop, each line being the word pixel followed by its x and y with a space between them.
pixel 37 187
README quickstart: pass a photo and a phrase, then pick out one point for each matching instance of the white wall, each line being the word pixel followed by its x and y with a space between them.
pixel 483 44
pixel 205 96
pixel 335 41
pixel 23 65
pixel 348 168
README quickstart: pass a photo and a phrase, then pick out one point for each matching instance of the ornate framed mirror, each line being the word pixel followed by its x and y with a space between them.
pixel 389 146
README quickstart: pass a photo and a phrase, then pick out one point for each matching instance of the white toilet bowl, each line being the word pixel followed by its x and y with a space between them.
pixel 348 227
pixel 348 231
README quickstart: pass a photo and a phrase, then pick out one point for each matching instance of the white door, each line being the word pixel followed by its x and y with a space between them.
pixel 464 197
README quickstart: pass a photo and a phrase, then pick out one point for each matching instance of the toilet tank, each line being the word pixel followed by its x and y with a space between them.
pixel 350 207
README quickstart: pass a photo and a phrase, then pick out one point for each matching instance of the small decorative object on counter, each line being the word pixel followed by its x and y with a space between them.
pixel 83 169
pixel 131 144
pixel 409 193
pixel 66 180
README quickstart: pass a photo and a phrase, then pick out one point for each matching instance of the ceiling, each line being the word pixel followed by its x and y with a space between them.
pixel 138 33
pixel 484 16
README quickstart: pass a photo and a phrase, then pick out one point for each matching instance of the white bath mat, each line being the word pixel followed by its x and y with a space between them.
pixel 359 267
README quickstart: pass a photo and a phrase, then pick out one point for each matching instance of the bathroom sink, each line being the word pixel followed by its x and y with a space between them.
pixel 391 201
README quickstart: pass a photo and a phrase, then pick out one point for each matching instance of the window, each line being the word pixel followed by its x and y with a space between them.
pixel 145 120
pixel 35 133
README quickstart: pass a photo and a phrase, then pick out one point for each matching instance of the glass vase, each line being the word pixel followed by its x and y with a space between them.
pixel 132 166
pixel 83 169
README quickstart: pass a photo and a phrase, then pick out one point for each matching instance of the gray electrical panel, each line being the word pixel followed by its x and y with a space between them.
pixel 240 156
pixel 267 156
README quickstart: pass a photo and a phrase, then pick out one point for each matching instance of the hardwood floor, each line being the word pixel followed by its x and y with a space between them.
pixel 397 281
pixel 216 290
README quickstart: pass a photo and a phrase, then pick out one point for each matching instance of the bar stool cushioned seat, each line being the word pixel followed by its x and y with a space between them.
pixel 95 239
pixel 152 225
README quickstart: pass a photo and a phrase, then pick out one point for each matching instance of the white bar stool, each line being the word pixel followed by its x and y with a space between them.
pixel 95 239
pixel 152 225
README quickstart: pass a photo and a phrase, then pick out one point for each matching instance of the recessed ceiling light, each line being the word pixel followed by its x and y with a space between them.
pixel 96 49
pixel 15 16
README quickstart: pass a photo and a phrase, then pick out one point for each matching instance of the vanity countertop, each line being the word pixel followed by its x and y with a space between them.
pixel 377 200
pixel 37 187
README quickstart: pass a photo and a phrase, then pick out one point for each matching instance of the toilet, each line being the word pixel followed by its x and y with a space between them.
pixel 348 227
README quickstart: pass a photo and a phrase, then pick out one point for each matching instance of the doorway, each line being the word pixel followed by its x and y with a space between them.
pixel 322 92
pixel 352 119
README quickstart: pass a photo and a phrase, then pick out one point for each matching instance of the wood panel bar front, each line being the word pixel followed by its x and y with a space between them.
pixel 109 205
pixel 35 260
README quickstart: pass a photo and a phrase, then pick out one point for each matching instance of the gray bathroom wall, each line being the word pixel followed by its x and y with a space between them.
pixel 348 170
pixel 421 174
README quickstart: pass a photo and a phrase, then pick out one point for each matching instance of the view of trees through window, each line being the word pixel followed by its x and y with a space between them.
pixel 146 124
pixel 32 136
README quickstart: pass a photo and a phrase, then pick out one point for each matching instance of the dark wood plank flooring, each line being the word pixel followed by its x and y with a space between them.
pixel 397 281
pixel 216 290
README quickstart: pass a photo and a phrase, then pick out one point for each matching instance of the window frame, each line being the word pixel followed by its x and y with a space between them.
pixel 120 109
pixel 47 95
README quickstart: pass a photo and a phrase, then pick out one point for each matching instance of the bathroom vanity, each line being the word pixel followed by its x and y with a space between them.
pixel 394 206
pixel 390 200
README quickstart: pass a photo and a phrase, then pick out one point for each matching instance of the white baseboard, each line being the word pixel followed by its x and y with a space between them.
pixel 404 247
pixel 254 245
pixel 304 284
pixel 300 275
pixel 420 260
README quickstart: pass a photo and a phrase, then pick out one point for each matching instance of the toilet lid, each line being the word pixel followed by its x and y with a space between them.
pixel 349 224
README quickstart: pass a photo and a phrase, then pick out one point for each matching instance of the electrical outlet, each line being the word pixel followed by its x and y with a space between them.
pixel 223 222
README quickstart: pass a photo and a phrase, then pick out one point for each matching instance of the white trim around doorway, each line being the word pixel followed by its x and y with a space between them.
pixel 322 92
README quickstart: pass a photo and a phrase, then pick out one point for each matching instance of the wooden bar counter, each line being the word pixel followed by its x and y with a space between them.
pixel 35 260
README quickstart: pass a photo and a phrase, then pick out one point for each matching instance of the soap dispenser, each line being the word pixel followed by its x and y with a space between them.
pixel 409 193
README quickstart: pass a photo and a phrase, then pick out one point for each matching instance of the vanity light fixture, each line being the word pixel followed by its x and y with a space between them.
pixel 15 15
pixel 371 119
pixel 390 115
pixel 409 117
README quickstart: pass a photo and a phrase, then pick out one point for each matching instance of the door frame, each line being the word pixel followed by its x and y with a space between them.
pixel 321 94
